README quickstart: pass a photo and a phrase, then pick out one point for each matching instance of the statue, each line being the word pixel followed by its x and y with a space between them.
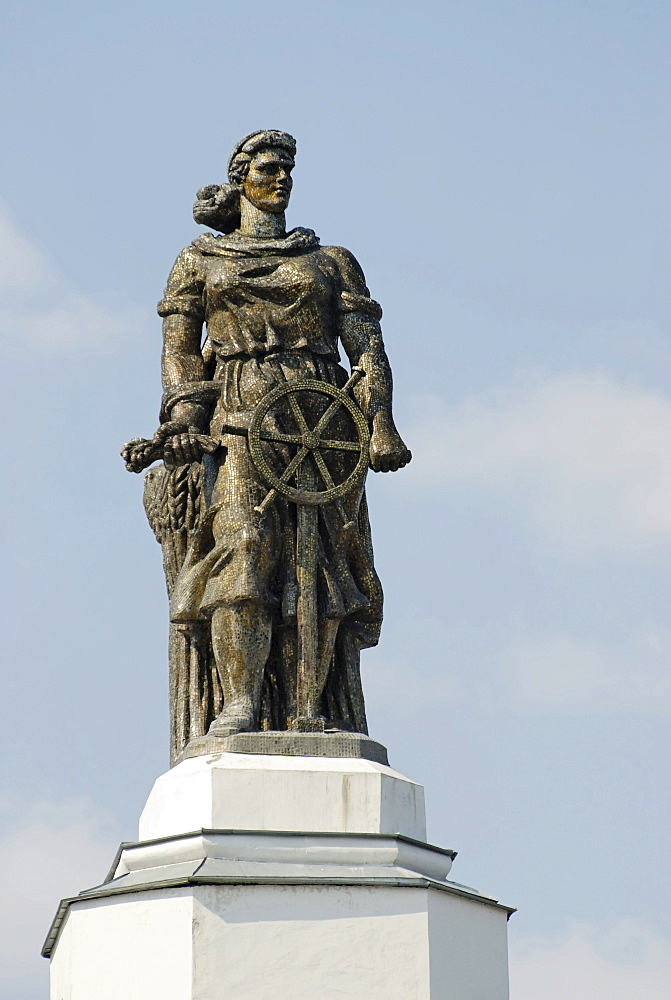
pixel 259 500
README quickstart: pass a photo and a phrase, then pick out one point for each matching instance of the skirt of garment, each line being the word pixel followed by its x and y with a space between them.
pixel 237 554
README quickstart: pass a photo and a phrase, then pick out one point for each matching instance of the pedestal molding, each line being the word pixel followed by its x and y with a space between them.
pixel 278 846
pixel 253 857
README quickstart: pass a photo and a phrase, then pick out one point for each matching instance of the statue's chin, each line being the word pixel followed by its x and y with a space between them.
pixel 274 207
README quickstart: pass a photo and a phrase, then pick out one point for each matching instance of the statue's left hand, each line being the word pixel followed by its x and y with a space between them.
pixel 187 447
pixel 388 453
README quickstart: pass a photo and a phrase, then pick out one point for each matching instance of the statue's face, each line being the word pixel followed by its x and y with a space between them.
pixel 268 181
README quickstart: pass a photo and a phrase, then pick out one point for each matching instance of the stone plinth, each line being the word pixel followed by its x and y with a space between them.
pixel 290 744
pixel 265 877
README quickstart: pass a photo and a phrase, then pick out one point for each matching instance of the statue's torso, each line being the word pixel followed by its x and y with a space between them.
pixel 266 303
pixel 258 305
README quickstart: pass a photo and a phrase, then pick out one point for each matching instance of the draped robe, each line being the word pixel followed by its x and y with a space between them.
pixel 275 310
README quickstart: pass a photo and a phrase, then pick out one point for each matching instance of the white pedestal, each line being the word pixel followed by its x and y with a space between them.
pixel 269 878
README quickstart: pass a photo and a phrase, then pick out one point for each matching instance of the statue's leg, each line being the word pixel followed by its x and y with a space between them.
pixel 238 597
pixel 241 634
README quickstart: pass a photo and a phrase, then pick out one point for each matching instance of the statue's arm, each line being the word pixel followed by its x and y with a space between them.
pixel 182 362
pixel 182 310
pixel 361 337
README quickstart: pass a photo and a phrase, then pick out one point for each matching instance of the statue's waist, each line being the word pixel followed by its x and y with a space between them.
pixel 295 354
pixel 240 382
pixel 233 342
pixel 245 380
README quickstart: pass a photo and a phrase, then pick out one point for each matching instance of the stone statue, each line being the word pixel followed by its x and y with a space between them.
pixel 259 500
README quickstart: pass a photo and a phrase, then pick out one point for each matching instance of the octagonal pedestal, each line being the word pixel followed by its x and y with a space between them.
pixel 271 878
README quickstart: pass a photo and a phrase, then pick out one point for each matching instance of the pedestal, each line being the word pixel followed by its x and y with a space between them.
pixel 267 877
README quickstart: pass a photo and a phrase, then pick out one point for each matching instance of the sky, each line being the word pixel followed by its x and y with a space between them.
pixel 500 171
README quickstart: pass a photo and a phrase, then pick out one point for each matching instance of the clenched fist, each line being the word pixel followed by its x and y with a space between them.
pixel 388 453
pixel 186 447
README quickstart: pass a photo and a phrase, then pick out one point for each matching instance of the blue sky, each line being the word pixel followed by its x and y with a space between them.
pixel 500 170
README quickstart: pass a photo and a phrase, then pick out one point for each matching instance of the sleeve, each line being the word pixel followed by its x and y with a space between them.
pixel 354 295
pixel 184 292
pixel 360 333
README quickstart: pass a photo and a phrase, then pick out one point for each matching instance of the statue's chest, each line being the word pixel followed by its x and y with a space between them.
pixel 283 281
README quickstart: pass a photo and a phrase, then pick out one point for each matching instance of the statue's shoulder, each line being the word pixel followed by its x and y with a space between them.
pixel 184 287
pixel 347 265
pixel 190 257
pixel 342 256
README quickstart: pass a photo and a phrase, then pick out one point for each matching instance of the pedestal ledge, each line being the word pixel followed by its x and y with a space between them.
pixel 296 858
pixel 266 792
pixel 290 744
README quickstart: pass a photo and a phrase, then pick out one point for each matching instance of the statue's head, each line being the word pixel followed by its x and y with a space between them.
pixel 262 163
pixel 260 168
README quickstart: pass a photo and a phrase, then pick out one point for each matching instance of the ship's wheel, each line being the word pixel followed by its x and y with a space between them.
pixel 308 411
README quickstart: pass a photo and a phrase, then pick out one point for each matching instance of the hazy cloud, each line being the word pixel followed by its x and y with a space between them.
pixel 561 671
pixel 584 458
pixel 625 961
pixel 41 311
pixel 535 671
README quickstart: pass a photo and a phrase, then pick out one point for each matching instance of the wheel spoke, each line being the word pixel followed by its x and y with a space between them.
pixel 326 416
pixel 340 445
pixel 293 464
pixel 280 438
pixel 298 413
pixel 323 468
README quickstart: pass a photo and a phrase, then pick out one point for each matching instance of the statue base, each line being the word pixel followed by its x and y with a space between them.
pixel 291 743
pixel 265 876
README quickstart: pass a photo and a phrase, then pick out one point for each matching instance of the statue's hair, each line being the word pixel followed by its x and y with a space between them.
pixel 218 205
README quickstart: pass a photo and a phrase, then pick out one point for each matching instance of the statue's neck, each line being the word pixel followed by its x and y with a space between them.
pixel 255 222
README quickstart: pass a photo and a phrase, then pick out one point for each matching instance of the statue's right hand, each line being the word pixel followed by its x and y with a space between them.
pixel 187 447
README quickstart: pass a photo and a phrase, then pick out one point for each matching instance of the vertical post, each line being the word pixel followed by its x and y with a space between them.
pixel 307 529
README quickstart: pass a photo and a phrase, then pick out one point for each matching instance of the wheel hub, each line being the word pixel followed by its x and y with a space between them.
pixel 310 440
